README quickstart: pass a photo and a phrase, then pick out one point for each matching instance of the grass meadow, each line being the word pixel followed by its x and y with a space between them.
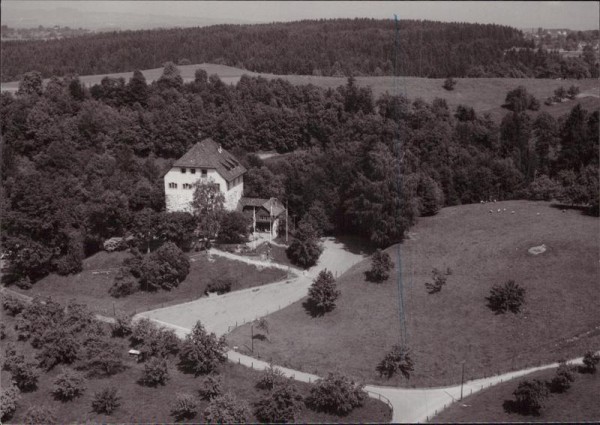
pixel 91 286
pixel 482 94
pixel 560 318
pixel 579 404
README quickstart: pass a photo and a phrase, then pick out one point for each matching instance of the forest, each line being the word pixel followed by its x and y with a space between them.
pixel 82 165
pixel 339 47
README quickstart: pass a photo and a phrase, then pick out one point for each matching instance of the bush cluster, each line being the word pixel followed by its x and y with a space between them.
pixel 336 394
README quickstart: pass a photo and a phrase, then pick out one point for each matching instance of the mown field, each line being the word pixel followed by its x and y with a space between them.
pixel 578 404
pixel 91 286
pixel 142 404
pixel 482 94
pixel 560 318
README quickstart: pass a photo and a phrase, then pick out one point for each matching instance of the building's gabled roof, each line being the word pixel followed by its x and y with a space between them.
pixel 208 154
pixel 272 205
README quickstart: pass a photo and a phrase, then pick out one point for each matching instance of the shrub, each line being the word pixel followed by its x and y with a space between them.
pixel 184 407
pixel 122 326
pixel 36 415
pixel 211 387
pixel 590 361
pixel 397 360
pixel 24 283
pixel 269 378
pixel 221 285
pixel 572 92
pixel 234 227
pixel 305 248
pixel 100 356
pixel 336 394
pixel 561 381
pixel 226 409
pixel 530 396
pixel 12 305
pixel 164 268
pixel 106 401
pixel 9 398
pixel 543 188
pixel 439 280
pixel 2 331
pixel 519 100
pixel 381 265
pixel 449 83
pixel 36 318
pixel 25 375
pixel 323 292
pixel 124 284
pixel 507 297
pixel 152 340
pixel 431 196
pixel 68 385
pixel 155 372
pixel 280 405
pixel 115 244
pixel 58 346
pixel 11 357
pixel 201 352
pixel 560 93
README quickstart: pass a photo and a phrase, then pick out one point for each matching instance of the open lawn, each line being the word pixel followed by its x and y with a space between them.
pixel 141 404
pixel 560 317
pixel 578 404
pixel 483 94
pixel 92 284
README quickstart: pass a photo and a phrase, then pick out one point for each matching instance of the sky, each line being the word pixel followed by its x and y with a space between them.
pixel 521 14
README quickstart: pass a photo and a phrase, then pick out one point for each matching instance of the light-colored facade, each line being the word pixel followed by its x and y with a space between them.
pixel 206 162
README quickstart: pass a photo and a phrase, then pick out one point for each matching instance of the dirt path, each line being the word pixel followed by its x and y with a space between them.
pixel 220 314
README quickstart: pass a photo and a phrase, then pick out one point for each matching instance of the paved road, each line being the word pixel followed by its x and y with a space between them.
pixel 220 314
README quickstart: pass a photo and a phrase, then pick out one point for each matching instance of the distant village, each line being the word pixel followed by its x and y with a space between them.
pixel 40 32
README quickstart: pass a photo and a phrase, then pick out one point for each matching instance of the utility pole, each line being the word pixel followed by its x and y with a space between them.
pixel 462 380
pixel 252 339
pixel 286 221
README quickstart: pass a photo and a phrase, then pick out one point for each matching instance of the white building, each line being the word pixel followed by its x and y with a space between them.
pixel 207 162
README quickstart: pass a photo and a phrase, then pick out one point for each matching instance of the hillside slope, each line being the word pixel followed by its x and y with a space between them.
pixel 482 94
pixel 560 317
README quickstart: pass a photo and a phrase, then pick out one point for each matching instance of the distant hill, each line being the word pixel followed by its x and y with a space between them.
pixel 482 94
pixel 336 47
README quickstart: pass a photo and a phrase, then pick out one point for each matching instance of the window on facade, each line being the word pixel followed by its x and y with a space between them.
pixel 187 186
pixel 193 170
pixel 183 170
pixel 172 185
pixel 204 172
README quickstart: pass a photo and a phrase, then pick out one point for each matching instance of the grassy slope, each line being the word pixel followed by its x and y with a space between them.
pixel 92 289
pixel 578 404
pixel 443 329
pixel 141 404
pixel 483 94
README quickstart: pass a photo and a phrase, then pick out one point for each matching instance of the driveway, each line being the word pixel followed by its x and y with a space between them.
pixel 220 314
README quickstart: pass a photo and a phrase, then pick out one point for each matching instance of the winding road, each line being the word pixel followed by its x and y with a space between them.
pixel 220 314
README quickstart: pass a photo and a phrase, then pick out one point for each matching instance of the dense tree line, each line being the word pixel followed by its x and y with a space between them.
pixel 339 47
pixel 81 166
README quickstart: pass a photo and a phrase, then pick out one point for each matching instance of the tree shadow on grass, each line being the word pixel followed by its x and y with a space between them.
pixel 310 306
pixel 584 209
pixel 260 337
pixel 512 407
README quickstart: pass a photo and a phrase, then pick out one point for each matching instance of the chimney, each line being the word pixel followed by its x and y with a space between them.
pixel 220 149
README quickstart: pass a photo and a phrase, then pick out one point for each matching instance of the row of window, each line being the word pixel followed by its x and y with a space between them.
pixel 188 186
pixel 193 171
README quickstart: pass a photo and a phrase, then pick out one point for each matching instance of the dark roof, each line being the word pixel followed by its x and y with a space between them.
pixel 205 154
pixel 267 204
